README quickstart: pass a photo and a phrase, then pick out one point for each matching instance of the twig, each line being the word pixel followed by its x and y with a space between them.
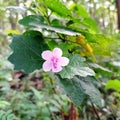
pixel 98 118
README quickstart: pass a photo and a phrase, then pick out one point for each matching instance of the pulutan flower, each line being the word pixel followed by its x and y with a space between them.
pixel 54 60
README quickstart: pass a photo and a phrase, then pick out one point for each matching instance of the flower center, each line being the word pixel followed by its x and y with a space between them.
pixel 54 61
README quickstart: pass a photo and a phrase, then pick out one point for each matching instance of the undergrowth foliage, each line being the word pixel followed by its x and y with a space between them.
pixel 53 25
pixel 7 115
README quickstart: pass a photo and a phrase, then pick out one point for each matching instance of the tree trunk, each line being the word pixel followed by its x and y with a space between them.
pixel 118 12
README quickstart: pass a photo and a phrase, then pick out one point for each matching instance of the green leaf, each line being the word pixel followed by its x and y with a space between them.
pixel 52 44
pixel 37 94
pixel 91 24
pixel 37 23
pixel 86 23
pixel 26 21
pixel 81 11
pixel 113 84
pixel 65 46
pixel 78 88
pixel 27 49
pixel 94 65
pixel 76 66
pixel 102 42
pixel 4 103
pixel 7 115
pixel 57 7
pixel 73 89
pixel 56 22
pixel 87 84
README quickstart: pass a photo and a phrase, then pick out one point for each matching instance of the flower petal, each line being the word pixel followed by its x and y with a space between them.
pixel 57 52
pixel 47 66
pixel 58 69
pixel 46 55
pixel 64 61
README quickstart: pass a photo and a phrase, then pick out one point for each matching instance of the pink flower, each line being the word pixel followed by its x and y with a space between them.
pixel 54 60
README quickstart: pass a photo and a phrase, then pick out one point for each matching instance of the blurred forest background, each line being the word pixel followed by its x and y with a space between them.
pixel 29 97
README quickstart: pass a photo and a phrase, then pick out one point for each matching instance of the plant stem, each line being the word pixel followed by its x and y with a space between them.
pixel 98 118
pixel 51 81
